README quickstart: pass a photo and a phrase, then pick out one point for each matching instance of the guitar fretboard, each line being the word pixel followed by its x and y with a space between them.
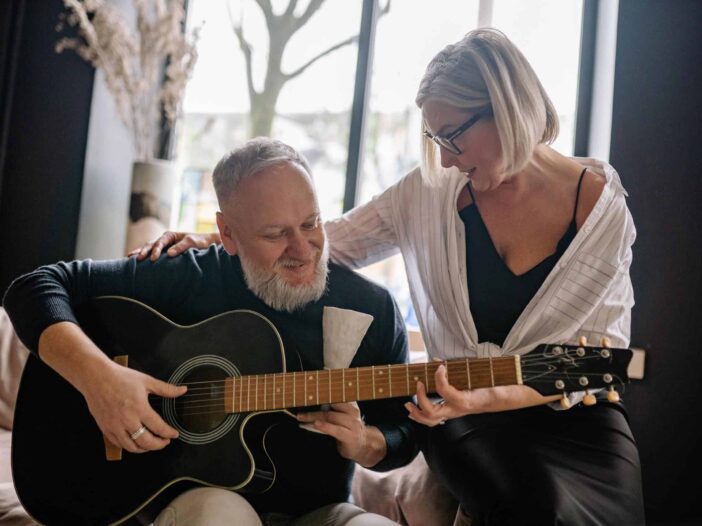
pixel 264 392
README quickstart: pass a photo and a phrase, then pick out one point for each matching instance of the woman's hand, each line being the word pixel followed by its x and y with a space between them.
pixel 119 404
pixel 456 403
pixel 178 242
pixel 354 439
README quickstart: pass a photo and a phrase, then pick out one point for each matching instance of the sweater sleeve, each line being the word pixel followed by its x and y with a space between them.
pixel 49 294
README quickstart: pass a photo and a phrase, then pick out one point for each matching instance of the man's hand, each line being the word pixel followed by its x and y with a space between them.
pixel 180 241
pixel 117 396
pixel 119 403
pixel 354 439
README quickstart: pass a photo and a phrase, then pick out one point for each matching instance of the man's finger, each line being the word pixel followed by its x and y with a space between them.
pixel 158 426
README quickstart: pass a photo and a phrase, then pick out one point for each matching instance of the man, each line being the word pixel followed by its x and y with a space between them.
pixel 273 260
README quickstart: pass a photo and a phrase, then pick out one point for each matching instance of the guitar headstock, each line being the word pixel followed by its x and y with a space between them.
pixel 562 368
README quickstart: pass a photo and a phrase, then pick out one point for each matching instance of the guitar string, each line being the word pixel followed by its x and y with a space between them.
pixel 206 403
pixel 364 374
pixel 369 370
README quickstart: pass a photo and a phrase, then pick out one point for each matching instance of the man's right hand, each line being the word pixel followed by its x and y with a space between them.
pixel 117 397
pixel 118 401
pixel 178 242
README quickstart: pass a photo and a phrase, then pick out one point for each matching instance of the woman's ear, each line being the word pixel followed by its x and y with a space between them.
pixel 226 234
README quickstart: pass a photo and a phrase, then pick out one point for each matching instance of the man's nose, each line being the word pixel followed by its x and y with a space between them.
pixel 299 246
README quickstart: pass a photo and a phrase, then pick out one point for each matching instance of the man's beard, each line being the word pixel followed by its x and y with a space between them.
pixel 279 295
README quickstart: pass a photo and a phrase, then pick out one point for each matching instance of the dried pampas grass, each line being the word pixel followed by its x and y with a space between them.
pixel 134 64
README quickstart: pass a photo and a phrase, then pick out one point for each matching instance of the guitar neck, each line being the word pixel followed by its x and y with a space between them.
pixel 264 392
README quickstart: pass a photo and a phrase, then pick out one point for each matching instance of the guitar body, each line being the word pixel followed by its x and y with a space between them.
pixel 59 463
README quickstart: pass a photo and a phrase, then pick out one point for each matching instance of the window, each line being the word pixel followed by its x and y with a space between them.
pixel 546 31
pixel 313 109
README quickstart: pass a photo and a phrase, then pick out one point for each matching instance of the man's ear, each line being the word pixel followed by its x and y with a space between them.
pixel 225 232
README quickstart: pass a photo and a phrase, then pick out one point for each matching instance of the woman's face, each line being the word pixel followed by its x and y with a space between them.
pixel 480 157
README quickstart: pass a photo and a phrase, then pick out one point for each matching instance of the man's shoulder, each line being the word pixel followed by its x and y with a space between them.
pixel 344 280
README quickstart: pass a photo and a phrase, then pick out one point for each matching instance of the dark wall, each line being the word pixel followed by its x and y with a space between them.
pixel 44 110
pixel 656 146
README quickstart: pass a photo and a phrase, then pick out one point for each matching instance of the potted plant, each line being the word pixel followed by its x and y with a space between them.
pixel 146 72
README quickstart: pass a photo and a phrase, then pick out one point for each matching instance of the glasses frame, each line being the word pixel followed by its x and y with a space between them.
pixel 446 141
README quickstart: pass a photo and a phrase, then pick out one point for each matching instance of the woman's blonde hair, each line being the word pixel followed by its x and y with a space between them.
pixel 485 69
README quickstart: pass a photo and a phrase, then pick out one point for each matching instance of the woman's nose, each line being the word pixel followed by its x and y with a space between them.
pixel 448 159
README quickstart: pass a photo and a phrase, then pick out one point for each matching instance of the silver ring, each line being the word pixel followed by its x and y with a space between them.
pixel 442 422
pixel 138 433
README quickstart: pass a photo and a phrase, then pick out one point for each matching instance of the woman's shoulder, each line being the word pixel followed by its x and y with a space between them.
pixel 591 188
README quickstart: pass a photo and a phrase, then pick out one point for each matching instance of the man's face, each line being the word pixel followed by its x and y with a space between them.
pixel 272 222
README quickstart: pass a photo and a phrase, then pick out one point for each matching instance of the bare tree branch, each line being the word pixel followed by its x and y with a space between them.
pixel 312 8
pixel 302 68
pixel 266 7
pixel 385 9
pixel 290 9
pixel 245 49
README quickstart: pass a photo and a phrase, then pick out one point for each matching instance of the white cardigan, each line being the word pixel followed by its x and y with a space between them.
pixel 588 292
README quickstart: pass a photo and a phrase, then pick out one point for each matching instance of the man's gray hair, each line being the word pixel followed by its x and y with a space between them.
pixel 253 157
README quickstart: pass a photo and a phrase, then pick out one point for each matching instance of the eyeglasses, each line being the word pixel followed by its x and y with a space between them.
pixel 447 141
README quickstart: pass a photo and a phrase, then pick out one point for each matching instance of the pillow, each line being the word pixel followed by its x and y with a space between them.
pixel 13 355
pixel 410 495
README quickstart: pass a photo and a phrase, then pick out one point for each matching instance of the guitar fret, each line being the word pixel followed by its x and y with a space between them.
pixel 407 377
pixel 343 385
pixel 329 374
pixel 274 406
pixel 234 395
pixel 468 372
pixel 248 395
pixel 373 379
pixel 492 373
pixel 426 376
pixel 294 375
pixel 390 380
pixel 358 394
pixel 256 395
pixel 317 387
pixel 265 393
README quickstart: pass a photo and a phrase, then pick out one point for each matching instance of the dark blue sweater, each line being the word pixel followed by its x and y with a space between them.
pixel 202 283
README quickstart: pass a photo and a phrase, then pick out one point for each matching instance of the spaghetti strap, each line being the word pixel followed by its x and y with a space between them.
pixel 470 191
pixel 577 195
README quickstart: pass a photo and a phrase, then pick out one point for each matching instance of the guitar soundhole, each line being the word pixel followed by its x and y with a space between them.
pixel 201 409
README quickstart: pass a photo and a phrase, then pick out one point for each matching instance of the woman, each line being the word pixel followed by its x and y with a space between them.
pixel 507 244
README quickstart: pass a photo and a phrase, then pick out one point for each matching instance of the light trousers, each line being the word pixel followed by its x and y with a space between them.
pixel 219 507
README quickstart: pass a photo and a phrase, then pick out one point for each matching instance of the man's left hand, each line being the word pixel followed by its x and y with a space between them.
pixel 354 439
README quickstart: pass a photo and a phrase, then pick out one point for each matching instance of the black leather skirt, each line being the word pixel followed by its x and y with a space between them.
pixel 539 466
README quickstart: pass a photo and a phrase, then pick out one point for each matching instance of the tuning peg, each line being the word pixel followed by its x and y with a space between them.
pixel 612 395
pixel 565 403
pixel 582 340
pixel 605 342
pixel 589 399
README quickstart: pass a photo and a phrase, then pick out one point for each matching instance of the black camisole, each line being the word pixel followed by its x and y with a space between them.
pixel 497 296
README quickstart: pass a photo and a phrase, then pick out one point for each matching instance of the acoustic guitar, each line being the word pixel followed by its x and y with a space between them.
pixel 239 387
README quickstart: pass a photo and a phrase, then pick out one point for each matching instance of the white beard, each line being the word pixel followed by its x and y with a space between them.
pixel 279 295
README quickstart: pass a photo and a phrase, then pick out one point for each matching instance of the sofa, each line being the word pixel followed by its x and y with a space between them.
pixel 411 496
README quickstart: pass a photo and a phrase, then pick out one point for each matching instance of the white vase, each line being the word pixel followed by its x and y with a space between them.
pixel 151 209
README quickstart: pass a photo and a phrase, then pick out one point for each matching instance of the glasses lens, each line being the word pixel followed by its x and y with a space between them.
pixel 447 144
pixel 443 143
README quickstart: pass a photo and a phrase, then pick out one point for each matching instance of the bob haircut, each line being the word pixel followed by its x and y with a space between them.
pixel 485 69
pixel 253 157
